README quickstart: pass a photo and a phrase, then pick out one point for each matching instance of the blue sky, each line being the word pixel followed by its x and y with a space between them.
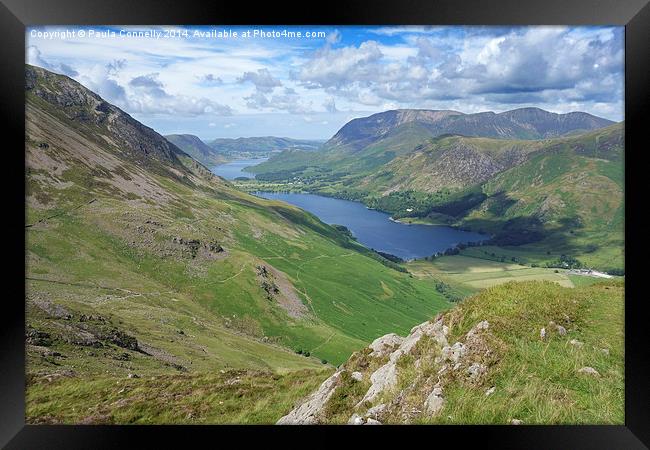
pixel 193 80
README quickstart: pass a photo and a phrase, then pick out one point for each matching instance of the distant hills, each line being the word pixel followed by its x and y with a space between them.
pixel 263 144
pixel 468 170
pixel 221 150
pixel 196 148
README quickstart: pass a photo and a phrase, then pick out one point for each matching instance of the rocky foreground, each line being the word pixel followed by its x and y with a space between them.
pixel 468 357
pixel 489 360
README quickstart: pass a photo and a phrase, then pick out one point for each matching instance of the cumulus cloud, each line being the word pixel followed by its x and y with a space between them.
pixel 330 105
pixel 146 94
pixel 355 70
pixel 210 79
pixel 288 100
pixel 34 57
pixel 262 79
pixel 509 66
pixel 152 98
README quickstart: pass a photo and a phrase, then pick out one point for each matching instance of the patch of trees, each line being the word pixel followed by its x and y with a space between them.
pixel 344 230
pixel 446 290
pixel 408 203
pixel 616 272
pixel 566 262
pixel 393 258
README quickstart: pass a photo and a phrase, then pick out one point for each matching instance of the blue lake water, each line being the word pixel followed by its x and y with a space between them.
pixel 235 169
pixel 375 230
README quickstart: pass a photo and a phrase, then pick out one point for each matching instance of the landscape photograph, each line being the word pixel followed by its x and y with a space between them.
pixel 324 225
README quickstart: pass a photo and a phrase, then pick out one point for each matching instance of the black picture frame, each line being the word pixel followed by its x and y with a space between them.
pixel 15 15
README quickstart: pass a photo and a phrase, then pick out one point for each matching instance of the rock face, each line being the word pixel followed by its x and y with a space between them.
pixel 384 345
pixel 307 412
pixel 386 376
pixel 427 350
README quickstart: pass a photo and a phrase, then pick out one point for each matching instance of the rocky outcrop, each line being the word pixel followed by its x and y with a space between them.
pixel 307 412
pixel 385 377
pixel 384 345
pixel 432 363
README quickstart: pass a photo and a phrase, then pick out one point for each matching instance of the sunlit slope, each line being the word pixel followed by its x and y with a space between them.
pixel 158 245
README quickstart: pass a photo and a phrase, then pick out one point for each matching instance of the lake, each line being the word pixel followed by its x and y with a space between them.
pixel 235 169
pixel 375 230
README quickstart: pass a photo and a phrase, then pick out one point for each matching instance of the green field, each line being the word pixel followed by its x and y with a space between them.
pixel 473 274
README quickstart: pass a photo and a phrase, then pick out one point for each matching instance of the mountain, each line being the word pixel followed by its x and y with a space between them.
pixel 144 268
pixel 266 144
pixel 364 144
pixel 157 292
pixel 524 123
pixel 196 148
pixel 521 353
pixel 560 195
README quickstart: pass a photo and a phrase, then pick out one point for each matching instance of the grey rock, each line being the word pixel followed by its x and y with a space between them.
pixel 589 371
pixel 476 370
pixel 516 422
pixel 561 330
pixel 307 412
pixel 490 391
pixel 385 377
pixel 382 379
pixel 371 421
pixel 434 402
pixel 576 343
pixel 542 333
pixel 384 345
pixel 482 325
pixel 356 419
pixel 376 411
pixel 357 376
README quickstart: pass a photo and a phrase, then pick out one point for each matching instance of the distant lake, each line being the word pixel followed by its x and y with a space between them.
pixel 235 169
pixel 375 230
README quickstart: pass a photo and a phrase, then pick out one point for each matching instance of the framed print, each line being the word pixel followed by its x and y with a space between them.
pixel 408 215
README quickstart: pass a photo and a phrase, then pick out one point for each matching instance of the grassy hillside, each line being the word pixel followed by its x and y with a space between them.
pixel 197 149
pixel 139 261
pixel 232 397
pixel 533 352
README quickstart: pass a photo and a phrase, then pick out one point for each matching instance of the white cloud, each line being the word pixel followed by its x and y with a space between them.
pixel 469 69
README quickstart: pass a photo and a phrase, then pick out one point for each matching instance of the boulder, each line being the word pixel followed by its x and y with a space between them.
pixel 589 371
pixel 384 345
pixel 357 376
pixel 382 379
pixel 356 419
pixel 372 422
pixel 576 343
pixel 434 402
pixel 476 370
pixel 376 411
